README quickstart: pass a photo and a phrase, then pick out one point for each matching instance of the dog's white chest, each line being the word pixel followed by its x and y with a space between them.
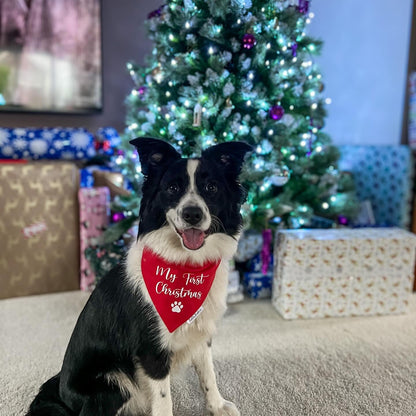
pixel 201 329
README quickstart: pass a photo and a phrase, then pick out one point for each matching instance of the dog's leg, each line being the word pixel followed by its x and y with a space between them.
pixel 161 399
pixel 216 405
pixel 106 403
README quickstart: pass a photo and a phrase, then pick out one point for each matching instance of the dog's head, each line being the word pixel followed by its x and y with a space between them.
pixel 191 199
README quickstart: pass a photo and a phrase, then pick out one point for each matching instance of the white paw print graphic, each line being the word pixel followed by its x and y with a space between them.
pixel 176 307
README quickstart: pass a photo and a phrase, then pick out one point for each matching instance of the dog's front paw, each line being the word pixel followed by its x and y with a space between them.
pixel 227 409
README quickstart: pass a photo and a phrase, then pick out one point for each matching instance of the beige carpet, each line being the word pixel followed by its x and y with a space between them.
pixel 267 366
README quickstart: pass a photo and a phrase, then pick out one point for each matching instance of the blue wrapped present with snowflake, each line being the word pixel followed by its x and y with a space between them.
pixel 107 140
pixel 258 285
pixel 46 143
pixel 258 280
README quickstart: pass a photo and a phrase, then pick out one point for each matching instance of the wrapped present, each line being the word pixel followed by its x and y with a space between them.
pixel 114 181
pixel 249 245
pixel 234 289
pixel 88 176
pixel 233 279
pixel 258 280
pixel 46 143
pixel 258 285
pixel 94 215
pixel 383 175
pixel 343 272
pixel 106 140
pixel 39 231
pixel 256 264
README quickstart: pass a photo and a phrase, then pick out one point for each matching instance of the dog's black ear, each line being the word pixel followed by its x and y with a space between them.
pixel 154 154
pixel 228 156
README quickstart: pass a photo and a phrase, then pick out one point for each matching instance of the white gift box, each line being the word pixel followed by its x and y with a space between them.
pixel 343 272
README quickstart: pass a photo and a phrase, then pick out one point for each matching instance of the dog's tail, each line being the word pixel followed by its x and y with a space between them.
pixel 48 402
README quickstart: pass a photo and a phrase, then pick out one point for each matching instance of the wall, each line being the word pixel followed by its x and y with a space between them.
pixel 364 66
pixel 124 38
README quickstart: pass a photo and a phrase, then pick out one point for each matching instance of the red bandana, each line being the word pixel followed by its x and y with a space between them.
pixel 177 290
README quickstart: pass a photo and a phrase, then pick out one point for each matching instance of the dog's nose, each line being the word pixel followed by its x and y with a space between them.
pixel 192 215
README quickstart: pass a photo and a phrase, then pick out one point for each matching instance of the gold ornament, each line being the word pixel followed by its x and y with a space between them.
pixel 156 71
pixel 157 74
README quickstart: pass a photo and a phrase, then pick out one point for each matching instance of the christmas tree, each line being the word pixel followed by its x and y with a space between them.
pixel 224 70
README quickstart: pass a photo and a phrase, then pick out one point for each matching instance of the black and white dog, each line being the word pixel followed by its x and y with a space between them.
pixel 123 349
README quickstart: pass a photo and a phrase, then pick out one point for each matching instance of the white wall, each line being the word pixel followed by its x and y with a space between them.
pixel 364 65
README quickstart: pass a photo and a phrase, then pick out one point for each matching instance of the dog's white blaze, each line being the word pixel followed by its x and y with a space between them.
pixel 191 198
pixel 191 167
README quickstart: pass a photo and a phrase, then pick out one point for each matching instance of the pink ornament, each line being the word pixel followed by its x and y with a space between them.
pixel 118 216
pixel 276 112
pixel 249 41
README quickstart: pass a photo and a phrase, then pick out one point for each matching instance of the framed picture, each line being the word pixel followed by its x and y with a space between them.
pixel 50 56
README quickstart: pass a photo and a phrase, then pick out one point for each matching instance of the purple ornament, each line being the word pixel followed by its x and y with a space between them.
pixel 295 49
pixel 156 13
pixel 142 90
pixel 303 6
pixel 118 216
pixel 342 220
pixel 249 41
pixel 276 112
pixel 309 152
pixel 319 124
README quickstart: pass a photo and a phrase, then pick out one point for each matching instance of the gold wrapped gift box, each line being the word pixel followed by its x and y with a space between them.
pixel 39 228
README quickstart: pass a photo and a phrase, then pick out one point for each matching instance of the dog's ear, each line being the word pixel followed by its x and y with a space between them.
pixel 154 154
pixel 228 156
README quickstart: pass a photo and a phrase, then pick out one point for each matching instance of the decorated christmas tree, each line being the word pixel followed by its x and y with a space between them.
pixel 224 70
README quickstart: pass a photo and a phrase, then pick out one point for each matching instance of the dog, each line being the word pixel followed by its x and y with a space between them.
pixel 158 309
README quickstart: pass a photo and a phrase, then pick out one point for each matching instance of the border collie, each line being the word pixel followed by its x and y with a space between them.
pixel 159 308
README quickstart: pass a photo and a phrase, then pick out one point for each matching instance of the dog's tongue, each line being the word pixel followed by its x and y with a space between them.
pixel 193 238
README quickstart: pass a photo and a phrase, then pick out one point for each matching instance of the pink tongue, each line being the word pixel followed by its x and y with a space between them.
pixel 193 238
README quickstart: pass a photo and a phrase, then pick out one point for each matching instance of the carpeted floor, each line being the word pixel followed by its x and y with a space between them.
pixel 267 366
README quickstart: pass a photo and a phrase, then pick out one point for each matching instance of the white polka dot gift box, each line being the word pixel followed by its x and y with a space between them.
pixel 343 272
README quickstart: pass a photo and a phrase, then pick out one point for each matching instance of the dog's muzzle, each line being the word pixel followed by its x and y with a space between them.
pixel 192 229
pixel 192 215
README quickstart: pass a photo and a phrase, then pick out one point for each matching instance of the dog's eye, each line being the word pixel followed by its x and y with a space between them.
pixel 211 188
pixel 173 188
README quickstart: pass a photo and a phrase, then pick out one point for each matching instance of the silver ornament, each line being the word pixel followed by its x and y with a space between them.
pixel 280 175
